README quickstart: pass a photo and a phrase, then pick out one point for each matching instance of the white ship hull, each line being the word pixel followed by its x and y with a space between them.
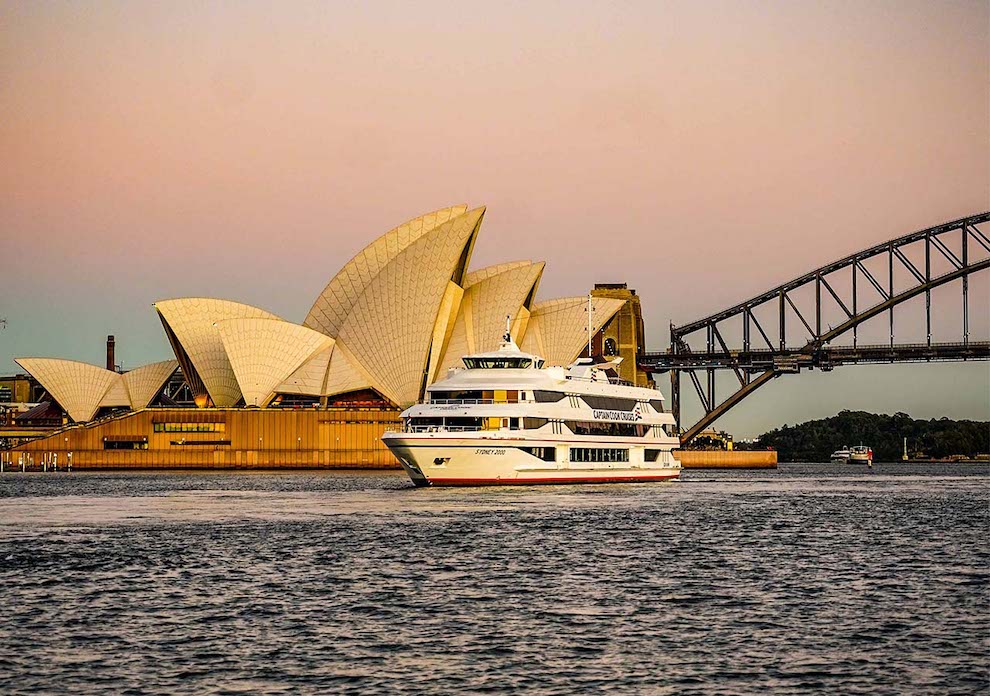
pixel 436 461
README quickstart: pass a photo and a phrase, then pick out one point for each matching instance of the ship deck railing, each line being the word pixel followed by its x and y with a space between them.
pixel 436 429
pixel 608 380
pixel 467 402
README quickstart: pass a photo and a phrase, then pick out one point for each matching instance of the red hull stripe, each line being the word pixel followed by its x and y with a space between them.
pixel 555 479
pixel 496 442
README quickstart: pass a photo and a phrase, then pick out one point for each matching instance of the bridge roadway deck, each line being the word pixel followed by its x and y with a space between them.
pixel 824 358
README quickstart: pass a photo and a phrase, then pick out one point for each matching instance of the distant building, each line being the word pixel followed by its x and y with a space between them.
pixel 19 389
pixel 44 415
pixel 712 439
pixel 624 334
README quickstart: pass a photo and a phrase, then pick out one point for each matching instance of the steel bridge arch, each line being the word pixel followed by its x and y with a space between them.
pixel 754 367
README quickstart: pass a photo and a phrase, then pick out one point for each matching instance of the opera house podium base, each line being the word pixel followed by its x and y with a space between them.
pixel 235 438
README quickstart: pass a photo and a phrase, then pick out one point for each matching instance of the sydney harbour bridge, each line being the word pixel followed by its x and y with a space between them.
pixel 793 326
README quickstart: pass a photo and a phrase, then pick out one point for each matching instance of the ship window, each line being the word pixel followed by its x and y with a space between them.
pixel 609 402
pixel 442 396
pixel 651 455
pixel 497 363
pixel 547 397
pixel 534 423
pixel 657 404
pixel 547 454
pixel 599 454
pixel 424 422
pixel 463 423
pixel 609 429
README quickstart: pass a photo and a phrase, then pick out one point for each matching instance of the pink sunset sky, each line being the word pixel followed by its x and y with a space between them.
pixel 700 151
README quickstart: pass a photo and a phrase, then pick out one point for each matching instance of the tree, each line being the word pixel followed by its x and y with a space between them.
pixel 815 440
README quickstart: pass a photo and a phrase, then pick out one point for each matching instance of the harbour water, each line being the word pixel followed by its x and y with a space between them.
pixel 808 578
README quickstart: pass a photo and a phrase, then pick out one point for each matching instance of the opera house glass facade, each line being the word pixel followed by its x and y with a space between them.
pixel 270 392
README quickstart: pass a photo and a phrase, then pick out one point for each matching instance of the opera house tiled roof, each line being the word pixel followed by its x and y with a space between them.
pixel 558 329
pixel 263 351
pixel 82 389
pixel 191 326
pixel 490 295
pixel 394 319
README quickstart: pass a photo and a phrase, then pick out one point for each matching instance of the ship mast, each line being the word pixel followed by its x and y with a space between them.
pixel 589 325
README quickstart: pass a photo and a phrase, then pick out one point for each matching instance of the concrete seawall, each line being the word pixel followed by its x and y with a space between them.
pixel 701 459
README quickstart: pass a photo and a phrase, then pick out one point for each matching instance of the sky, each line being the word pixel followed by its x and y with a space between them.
pixel 699 151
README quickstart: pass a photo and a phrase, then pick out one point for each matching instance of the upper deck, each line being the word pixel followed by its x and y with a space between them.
pixel 508 383
pixel 579 379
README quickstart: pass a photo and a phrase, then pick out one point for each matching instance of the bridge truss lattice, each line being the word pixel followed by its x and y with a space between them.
pixel 892 273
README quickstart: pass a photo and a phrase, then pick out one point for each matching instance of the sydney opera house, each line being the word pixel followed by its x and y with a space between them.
pixel 269 392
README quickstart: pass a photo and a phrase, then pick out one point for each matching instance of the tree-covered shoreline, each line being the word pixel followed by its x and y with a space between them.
pixel 814 441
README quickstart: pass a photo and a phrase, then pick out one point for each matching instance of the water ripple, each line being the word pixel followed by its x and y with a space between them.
pixel 807 579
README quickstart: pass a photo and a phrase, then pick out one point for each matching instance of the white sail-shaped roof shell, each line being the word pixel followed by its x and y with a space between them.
pixel 116 396
pixel 343 376
pixel 82 389
pixel 558 329
pixel 194 323
pixel 143 383
pixel 308 379
pixel 78 387
pixel 490 295
pixel 334 304
pixel 389 331
pixel 326 373
pixel 264 352
pixel 481 274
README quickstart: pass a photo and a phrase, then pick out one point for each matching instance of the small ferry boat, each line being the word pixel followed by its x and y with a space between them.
pixel 506 418
pixel 841 456
pixel 861 454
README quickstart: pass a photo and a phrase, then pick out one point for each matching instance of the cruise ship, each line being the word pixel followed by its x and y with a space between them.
pixel 506 418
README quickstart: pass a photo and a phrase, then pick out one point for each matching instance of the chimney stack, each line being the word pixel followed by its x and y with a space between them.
pixel 111 364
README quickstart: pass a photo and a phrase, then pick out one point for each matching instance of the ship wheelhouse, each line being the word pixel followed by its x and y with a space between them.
pixel 498 362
